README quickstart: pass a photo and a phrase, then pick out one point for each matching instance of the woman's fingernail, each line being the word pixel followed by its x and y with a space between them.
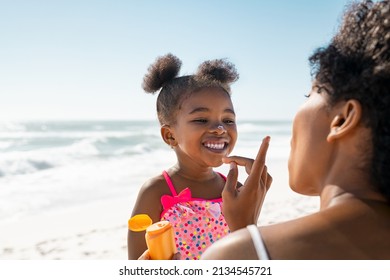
pixel 232 165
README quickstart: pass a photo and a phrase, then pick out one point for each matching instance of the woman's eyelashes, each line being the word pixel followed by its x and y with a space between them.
pixel 317 89
pixel 320 89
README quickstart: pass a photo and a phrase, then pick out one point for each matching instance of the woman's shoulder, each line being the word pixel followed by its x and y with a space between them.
pixel 337 233
pixel 236 246
pixel 300 237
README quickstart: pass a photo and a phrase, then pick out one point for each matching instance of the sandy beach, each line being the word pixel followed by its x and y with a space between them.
pixel 98 230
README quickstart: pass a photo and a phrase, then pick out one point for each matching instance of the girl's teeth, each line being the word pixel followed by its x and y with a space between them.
pixel 215 146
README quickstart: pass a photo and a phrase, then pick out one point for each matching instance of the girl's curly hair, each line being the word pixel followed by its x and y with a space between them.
pixel 356 65
pixel 163 75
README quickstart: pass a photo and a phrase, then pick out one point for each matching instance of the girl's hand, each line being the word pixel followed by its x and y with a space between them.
pixel 242 208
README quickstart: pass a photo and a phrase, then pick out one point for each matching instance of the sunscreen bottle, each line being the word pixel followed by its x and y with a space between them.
pixel 159 236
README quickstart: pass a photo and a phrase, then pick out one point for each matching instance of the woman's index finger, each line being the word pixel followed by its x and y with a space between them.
pixel 259 163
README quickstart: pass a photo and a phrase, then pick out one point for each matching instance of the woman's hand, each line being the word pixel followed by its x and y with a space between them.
pixel 146 256
pixel 242 207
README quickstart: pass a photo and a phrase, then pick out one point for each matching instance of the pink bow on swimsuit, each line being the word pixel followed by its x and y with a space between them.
pixel 168 200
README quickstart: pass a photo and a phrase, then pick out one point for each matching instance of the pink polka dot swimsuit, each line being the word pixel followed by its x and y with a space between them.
pixel 197 222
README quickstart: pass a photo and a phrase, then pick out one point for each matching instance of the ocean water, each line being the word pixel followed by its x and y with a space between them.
pixel 54 165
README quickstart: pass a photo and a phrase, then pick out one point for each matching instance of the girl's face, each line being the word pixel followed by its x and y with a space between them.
pixel 205 129
pixel 310 153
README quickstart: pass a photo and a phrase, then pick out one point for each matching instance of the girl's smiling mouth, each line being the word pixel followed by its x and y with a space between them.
pixel 216 145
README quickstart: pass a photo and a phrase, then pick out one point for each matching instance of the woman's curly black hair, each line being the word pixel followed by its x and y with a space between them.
pixel 356 65
pixel 163 74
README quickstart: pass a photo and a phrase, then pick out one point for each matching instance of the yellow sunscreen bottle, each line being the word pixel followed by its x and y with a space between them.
pixel 159 236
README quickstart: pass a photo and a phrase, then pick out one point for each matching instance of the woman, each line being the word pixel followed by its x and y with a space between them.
pixel 340 150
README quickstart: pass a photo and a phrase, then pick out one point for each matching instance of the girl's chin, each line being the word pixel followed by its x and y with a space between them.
pixel 216 164
pixel 216 160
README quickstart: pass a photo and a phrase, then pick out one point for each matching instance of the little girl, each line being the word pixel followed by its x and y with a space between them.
pixel 197 121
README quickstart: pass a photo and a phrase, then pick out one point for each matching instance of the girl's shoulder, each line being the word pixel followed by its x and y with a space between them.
pixel 155 186
pixel 149 197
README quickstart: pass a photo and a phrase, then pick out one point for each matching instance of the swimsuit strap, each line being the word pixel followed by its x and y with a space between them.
pixel 223 176
pixel 172 187
pixel 258 242
pixel 169 182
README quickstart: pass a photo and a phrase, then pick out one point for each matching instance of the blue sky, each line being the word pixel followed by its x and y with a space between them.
pixel 86 59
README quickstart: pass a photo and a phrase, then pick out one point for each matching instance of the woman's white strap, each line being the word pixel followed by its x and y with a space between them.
pixel 258 242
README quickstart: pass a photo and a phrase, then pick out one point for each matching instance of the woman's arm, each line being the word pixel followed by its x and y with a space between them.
pixel 237 245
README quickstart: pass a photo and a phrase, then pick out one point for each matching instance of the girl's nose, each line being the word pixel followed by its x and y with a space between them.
pixel 219 129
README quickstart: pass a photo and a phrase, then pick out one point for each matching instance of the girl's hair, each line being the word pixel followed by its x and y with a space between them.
pixel 163 74
pixel 356 65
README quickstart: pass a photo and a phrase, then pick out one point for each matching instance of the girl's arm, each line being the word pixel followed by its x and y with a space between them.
pixel 148 202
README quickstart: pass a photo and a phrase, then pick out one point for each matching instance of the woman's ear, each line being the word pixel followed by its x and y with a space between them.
pixel 346 120
pixel 167 135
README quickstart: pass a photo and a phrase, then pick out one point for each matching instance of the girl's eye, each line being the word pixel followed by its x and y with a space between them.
pixel 229 121
pixel 200 121
pixel 307 95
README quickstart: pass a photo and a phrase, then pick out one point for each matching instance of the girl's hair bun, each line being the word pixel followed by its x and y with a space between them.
pixel 164 69
pixel 218 70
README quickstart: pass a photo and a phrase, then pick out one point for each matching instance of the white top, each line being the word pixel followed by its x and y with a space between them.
pixel 258 242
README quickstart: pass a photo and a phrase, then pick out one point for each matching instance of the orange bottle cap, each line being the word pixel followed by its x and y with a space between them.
pixel 158 227
pixel 139 222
